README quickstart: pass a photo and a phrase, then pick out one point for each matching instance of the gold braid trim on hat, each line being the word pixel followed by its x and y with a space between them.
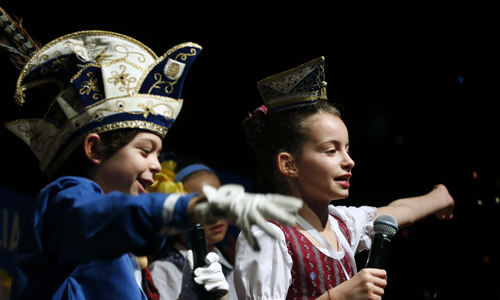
pixel 149 126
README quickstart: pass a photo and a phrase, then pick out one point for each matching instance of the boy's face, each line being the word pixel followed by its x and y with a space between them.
pixel 132 168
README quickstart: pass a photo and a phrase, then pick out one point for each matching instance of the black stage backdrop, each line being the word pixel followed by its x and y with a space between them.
pixel 419 87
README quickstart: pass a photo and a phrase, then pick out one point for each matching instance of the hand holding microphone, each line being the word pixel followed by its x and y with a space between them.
pixel 370 282
pixel 206 270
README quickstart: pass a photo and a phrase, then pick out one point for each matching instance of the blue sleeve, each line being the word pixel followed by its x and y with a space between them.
pixel 179 217
pixel 80 223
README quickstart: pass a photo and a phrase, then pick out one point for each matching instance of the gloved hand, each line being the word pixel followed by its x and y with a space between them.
pixel 210 275
pixel 230 202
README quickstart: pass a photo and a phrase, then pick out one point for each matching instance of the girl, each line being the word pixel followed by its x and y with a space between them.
pixel 302 147
pixel 167 267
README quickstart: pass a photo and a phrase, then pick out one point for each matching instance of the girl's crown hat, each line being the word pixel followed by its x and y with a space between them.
pixel 298 87
pixel 104 81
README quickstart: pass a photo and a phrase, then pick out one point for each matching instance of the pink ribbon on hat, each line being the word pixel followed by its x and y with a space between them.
pixel 257 124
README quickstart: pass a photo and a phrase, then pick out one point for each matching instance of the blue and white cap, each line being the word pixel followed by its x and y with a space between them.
pixel 104 81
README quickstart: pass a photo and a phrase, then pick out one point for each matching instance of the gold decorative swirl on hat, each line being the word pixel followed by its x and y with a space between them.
pixel 169 85
pixel 91 85
pixel 123 79
pixel 141 58
pixel 37 140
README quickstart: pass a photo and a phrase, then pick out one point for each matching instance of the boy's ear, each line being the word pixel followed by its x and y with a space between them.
pixel 286 164
pixel 90 146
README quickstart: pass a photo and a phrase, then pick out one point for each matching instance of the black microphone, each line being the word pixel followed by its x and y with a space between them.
pixel 385 227
pixel 196 242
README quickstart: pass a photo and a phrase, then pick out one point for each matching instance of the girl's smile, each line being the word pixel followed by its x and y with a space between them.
pixel 344 180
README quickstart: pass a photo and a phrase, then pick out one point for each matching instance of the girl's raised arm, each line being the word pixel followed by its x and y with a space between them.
pixel 409 210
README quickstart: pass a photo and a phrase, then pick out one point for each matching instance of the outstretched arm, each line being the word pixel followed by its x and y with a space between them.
pixel 409 210
pixel 232 203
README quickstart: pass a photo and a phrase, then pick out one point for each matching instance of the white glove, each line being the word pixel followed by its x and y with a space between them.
pixel 210 275
pixel 230 202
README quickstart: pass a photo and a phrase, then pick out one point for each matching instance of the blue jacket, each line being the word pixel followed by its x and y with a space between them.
pixel 75 241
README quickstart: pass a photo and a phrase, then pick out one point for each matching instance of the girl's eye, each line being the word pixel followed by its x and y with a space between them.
pixel 146 151
pixel 332 151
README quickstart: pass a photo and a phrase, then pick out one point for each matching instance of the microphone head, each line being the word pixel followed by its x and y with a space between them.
pixel 386 225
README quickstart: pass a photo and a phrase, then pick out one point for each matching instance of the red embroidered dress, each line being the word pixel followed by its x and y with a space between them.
pixel 313 273
pixel 267 274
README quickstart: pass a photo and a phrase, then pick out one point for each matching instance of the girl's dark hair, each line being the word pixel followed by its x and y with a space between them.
pixel 283 132
pixel 78 164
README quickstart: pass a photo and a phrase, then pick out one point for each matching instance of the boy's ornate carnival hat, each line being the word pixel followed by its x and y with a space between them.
pixel 295 88
pixel 104 81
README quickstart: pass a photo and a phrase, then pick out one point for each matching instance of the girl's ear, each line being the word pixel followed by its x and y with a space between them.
pixel 286 164
pixel 90 146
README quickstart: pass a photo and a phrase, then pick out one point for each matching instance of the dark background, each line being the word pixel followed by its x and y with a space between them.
pixel 419 87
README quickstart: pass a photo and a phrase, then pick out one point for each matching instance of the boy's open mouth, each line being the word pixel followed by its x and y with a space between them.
pixel 144 184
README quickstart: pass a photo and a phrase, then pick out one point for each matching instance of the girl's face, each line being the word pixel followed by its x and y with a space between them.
pixel 324 167
pixel 214 233
pixel 132 168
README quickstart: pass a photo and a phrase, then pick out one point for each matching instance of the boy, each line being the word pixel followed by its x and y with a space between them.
pixel 113 102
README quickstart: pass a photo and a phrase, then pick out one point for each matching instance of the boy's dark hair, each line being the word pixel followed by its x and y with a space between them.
pixel 283 132
pixel 77 164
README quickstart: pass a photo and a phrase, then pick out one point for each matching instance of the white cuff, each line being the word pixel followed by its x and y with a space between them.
pixel 169 207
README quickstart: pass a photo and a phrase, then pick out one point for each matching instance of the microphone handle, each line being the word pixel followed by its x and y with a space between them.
pixel 378 251
pixel 195 238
